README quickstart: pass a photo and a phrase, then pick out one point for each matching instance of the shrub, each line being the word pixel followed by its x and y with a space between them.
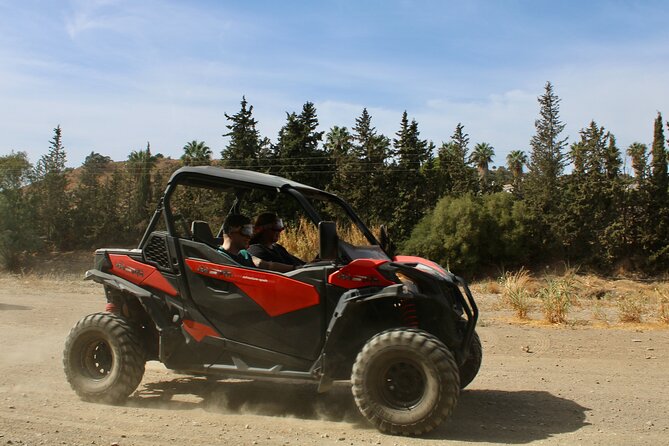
pixel 631 308
pixel 556 299
pixel 515 292
pixel 470 232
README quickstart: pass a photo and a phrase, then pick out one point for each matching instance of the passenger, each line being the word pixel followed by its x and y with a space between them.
pixel 237 232
pixel 267 230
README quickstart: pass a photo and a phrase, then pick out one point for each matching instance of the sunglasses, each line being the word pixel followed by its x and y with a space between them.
pixel 246 230
pixel 277 226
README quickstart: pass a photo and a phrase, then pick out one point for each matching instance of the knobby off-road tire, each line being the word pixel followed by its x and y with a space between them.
pixel 103 358
pixel 405 381
pixel 470 368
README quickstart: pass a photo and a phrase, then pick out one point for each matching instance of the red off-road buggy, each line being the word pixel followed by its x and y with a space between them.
pixel 401 329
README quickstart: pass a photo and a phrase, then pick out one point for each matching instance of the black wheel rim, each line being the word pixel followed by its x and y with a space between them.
pixel 402 384
pixel 97 359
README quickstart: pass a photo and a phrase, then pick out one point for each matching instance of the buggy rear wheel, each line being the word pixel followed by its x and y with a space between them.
pixel 405 381
pixel 103 358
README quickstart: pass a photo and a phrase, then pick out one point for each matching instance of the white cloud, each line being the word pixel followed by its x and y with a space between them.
pixel 93 15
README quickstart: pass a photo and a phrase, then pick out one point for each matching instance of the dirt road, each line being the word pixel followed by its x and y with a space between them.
pixel 536 386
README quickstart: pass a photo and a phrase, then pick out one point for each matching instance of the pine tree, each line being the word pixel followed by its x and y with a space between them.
pixel 659 199
pixel 455 176
pixel 542 184
pixel 410 150
pixel 547 157
pixel 431 175
pixel 53 207
pixel 298 156
pixel 370 177
pixel 409 179
pixel 587 210
pixel 637 198
pixel 88 200
pixel 243 150
pixel 339 148
pixel 117 225
pixel 612 159
pixel 659 180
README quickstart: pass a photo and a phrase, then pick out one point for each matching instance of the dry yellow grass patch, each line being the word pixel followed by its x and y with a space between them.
pixel 302 239
pixel 515 291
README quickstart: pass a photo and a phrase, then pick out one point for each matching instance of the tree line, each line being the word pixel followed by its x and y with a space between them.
pixel 444 202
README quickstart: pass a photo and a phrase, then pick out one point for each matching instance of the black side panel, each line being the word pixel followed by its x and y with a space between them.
pixel 238 317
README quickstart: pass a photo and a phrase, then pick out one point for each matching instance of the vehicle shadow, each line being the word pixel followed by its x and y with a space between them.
pixel 14 307
pixel 510 417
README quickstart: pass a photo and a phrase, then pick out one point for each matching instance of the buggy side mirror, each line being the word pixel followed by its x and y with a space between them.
pixel 329 240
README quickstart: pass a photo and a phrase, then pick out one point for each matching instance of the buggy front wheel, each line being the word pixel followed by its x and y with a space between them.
pixel 405 381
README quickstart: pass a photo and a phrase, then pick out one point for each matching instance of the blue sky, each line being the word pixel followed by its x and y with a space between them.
pixel 116 74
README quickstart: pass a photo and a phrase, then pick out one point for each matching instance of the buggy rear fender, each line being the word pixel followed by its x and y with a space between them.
pixel 149 301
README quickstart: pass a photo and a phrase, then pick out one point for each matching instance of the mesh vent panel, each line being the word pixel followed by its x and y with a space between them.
pixel 155 251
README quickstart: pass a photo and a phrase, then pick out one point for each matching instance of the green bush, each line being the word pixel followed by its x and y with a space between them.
pixel 472 232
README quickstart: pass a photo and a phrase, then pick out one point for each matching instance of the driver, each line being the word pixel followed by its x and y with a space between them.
pixel 237 232
pixel 267 230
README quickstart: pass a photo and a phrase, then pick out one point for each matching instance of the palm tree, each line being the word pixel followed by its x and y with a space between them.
pixel 639 154
pixel 140 163
pixel 338 141
pixel 515 161
pixel 481 157
pixel 196 153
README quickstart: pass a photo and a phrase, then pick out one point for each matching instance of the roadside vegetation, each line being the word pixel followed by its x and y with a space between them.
pixel 569 298
pixel 451 201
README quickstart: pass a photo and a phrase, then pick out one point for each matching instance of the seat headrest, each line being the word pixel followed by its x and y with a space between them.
pixel 202 233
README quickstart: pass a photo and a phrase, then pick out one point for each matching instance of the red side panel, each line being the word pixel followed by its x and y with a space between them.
pixel 199 331
pixel 276 294
pixel 358 274
pixel 140 273
pixel 413 259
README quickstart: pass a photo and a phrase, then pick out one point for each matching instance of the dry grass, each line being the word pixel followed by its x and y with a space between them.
pixel 662 293
pixel 556 298
pixel 487 287
pixel 631 308
pixel 599 314
pixel 663 312
pixel 515 291
pixel 302 240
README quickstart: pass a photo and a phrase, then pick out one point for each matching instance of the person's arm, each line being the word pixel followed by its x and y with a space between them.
pixel 272 266
pixel 294 260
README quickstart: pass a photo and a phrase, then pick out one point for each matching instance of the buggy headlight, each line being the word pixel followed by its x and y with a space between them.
pixel 409 286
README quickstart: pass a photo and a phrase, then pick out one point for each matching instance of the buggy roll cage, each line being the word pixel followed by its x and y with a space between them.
pixel 243 181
